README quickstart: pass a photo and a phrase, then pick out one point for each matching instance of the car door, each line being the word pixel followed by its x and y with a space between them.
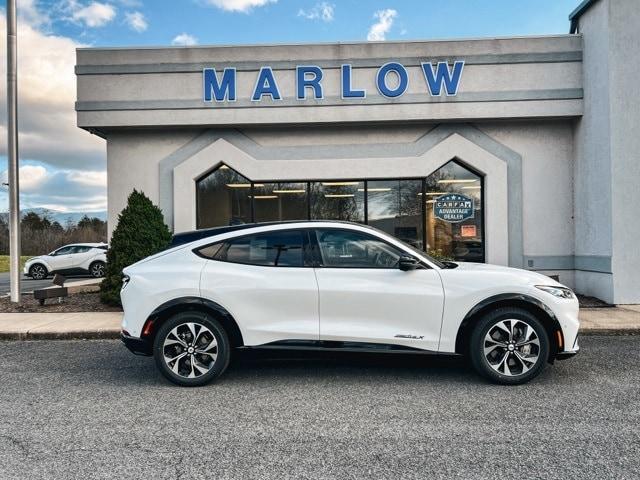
pixel 79 255
pixel 365 297
pixel 61 258
pixel 265 282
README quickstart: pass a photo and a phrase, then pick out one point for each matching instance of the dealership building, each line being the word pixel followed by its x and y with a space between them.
pixel 520 151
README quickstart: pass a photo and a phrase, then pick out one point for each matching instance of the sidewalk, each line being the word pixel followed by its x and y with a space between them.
pixel 41 326
pixel 624 320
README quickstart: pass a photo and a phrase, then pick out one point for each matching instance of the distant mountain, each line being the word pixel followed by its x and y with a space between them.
pixel 61 217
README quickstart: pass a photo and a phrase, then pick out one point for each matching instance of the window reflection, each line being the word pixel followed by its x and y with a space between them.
pixel 394 207
pixel 402 208
pixel 280 201
pixel 455 240
pixel 337 200
pixel 223 198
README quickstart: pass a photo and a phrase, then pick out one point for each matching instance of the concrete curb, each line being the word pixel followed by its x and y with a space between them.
pixel 81 335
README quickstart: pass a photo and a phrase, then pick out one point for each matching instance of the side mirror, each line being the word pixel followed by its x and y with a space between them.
pixel 407 263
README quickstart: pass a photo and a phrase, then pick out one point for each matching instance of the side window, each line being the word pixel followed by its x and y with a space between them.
pixel 272 249
pixel 350 249
pixel 63 251
pixel 81 249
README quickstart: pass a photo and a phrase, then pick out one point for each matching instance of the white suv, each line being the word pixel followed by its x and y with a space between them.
pixel 337 286
pixel 77 258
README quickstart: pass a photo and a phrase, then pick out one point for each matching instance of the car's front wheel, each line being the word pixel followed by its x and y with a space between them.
pixel 509 346
pixel 38 272
pixel 191 349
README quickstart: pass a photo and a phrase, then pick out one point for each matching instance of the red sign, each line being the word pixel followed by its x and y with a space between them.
pixel 468 230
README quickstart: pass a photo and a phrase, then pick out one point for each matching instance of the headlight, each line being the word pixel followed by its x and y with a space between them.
pixel 560 292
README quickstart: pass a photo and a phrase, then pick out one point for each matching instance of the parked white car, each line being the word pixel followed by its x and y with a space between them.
pixel 337 286
pixel 77 258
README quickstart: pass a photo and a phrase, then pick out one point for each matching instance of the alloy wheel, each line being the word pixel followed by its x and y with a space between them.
pixel 512 347
pixel 38 272
pixel 190 350
pixel 97 270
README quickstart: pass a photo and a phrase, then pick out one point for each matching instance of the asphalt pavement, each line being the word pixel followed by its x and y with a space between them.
pixel 90 409
pixel 28 285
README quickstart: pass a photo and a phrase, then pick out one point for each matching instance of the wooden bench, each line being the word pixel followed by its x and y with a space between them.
pixel 57 291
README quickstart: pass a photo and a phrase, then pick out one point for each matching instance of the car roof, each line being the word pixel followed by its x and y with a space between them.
pixel 193 235
pixel 84 245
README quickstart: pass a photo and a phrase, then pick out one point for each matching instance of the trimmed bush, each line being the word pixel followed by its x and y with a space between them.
pixel 140 232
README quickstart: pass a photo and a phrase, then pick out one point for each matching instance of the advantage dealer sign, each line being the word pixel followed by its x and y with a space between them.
pixel 220 86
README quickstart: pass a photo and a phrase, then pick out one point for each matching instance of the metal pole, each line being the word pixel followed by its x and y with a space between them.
pixel 12 143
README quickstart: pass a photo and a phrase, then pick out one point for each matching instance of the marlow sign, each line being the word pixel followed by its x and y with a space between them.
pixel 221 86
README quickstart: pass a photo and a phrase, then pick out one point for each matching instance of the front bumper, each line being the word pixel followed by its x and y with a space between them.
pixel 138 346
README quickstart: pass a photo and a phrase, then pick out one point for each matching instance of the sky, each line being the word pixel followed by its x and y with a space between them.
pixel 64 168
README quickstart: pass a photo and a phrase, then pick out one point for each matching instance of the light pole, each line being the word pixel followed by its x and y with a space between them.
pixel 12 144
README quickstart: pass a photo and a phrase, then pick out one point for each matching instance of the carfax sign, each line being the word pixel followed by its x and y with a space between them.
pixel 453 207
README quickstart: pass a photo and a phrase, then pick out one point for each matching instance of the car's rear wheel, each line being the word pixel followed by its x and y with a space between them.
pixel 509 346
pixel 97 269
pixel 191 349
pixel 38 272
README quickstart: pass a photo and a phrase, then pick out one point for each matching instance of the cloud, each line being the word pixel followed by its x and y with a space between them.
pixel 62 190
pixel 95 14
pixel 184 39
pixel 238 5
pixel 379 29
pixel 46 97
pixel 136 21
pixel 131 3
pixel 28 12
pixel 320 11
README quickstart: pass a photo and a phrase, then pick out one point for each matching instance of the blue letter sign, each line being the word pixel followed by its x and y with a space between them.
pixel 453 207
pixel 347 91
pixel 451 79
pixel 266 85
pixel 225 90
pixel 403 79
pixel 303 82
pixel 220 86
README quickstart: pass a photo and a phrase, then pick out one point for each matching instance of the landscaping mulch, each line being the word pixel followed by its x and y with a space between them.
pixel 78 302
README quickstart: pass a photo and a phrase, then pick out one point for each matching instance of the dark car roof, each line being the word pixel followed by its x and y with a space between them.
pixel 193 235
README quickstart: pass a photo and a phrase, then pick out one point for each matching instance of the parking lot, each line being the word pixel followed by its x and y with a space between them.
pixel 28 285
pixel 89 409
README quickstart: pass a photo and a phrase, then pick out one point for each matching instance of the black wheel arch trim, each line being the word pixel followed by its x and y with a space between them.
pixel 198 303
pixel 506 298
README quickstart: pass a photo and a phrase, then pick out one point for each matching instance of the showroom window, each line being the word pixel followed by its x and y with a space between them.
pixel 394 206
pixel 454 214
pixel 223 197
pixel 280 201
pixel 442 213
pixel 337 200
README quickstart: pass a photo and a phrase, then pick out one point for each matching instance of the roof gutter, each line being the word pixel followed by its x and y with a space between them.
pixel 574 16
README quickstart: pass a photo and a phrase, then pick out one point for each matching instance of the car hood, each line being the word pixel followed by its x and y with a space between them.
pixel 518 275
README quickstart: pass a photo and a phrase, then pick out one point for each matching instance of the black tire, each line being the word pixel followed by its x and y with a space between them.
pixel 504 364
pixel 37 271
pixel 191 362
pixel 97 269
